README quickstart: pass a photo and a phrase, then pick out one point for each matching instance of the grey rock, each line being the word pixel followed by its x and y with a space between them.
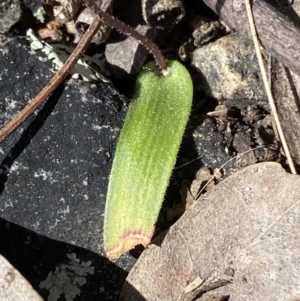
pixel 230 67
pixel 127 56
pixel 10 13
pixel 31 5
pixel 163 13
pixel 54 170
pixel 208 142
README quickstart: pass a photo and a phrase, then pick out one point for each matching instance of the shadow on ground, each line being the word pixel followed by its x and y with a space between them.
pixel 35 256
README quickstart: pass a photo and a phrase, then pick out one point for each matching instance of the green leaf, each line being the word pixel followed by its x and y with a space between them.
pixel 145 156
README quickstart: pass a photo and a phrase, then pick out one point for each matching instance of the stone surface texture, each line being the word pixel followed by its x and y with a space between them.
pixel 230 68
pixel 54 169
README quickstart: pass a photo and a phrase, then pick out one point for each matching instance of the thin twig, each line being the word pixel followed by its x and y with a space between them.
pixel 223 165
pixel 278 34
pixel 267 87
pixel 187 163
pixel 269 60
pixel 58 78
pixel 125 29
pixel 204 288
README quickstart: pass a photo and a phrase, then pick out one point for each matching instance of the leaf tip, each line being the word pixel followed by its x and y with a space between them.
pixel 126 242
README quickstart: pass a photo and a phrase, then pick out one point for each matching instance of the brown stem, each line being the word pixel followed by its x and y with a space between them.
pixel 129 31
pixel 276 33
pixel 60 75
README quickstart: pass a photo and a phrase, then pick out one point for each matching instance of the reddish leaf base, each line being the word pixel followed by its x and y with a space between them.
pixel 127 241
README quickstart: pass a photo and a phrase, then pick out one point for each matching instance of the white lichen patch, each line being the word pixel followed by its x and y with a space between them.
pixel 39 14
pixel 67 279
pixel 45 175
pixel 59 53
pixel 85 182
pixel 10 106
pixel 17 167
pixel 63 212
pixel 8 204
pixel 99 128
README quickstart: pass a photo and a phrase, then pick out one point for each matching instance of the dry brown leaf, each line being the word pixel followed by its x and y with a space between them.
pixel 13 286
pixel 246 228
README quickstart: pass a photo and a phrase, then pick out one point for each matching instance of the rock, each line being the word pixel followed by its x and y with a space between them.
pixel 208 142
pixel 230 67
pixel 127 56
pixel 10 13
pixel 55 168
pixel 13 285
pixel 241 142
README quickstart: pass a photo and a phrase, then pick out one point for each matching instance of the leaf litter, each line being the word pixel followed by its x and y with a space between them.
pixel 245 230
